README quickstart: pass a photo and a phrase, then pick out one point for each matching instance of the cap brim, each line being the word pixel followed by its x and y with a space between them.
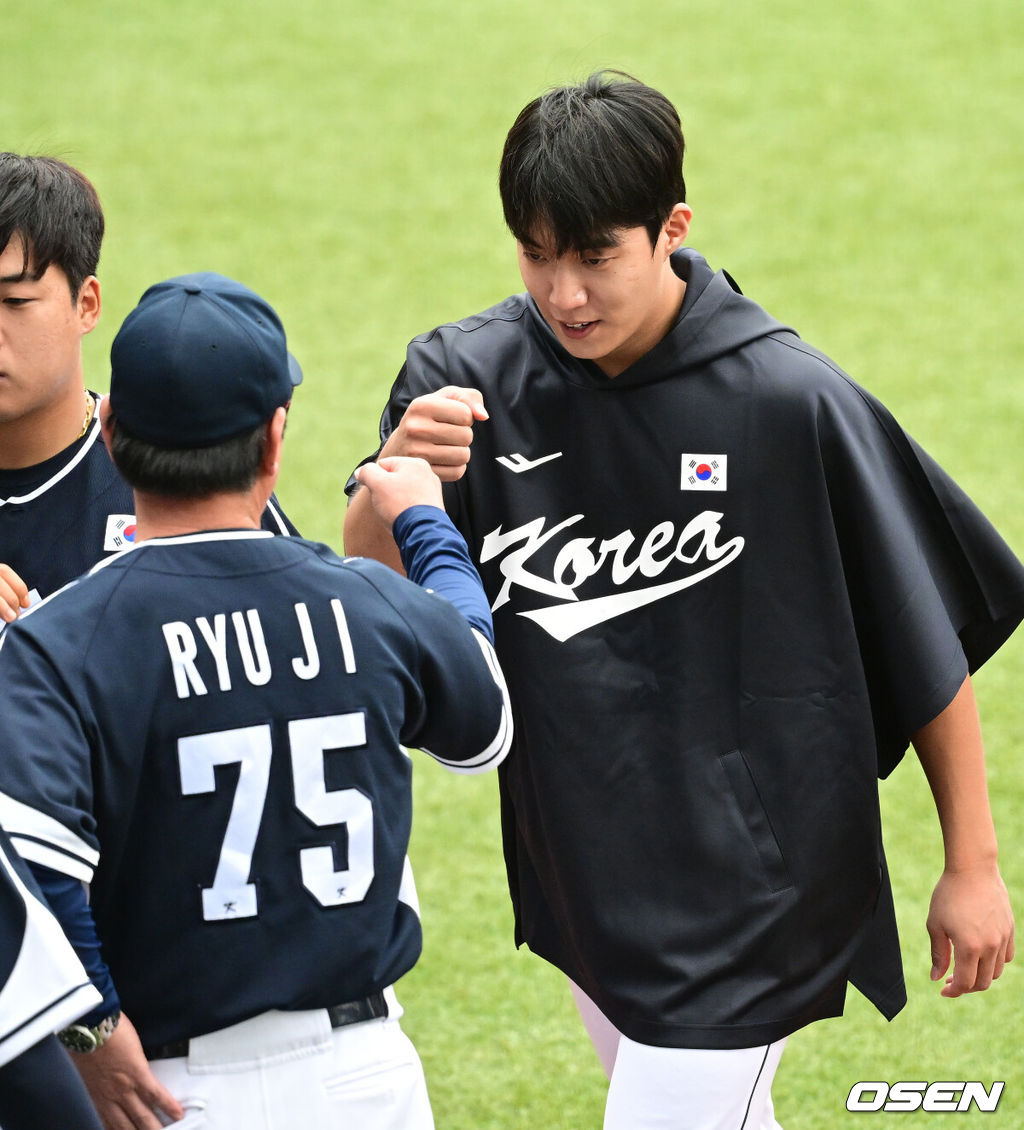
pixel 294 371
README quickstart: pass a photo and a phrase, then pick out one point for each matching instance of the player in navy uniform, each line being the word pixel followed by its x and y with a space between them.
pixel 210 731
pixel 728 590
pixel 43 987
pixel 63 505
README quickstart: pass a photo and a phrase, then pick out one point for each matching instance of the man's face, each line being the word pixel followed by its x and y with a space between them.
pixel 611 304
pixel 41 330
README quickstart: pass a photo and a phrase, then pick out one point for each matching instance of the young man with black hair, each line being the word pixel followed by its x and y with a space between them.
pixel 210 732
pixel 728 590
pixel 63 505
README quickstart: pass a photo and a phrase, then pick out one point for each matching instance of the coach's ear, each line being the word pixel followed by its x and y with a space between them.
pixel 275 443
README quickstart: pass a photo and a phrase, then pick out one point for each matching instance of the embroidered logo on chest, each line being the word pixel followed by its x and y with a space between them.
pixel 519 463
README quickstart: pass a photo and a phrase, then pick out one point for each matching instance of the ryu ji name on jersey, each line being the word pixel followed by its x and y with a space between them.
pixel 247 637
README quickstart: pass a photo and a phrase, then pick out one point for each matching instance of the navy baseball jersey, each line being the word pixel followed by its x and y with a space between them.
pixel 43 986
pixel 726 588
pixel 211 732
pixel 58 518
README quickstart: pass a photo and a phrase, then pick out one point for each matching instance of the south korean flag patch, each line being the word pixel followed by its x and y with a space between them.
pixel 704 472
pixel 120 532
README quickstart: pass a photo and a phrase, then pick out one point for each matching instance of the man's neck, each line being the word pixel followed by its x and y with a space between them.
pixel 39 435
pixel 672 302
pixel 157 517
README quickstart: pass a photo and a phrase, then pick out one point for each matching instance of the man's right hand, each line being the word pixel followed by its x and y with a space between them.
pixel 395 483
pixel 13 594
pixel 438 427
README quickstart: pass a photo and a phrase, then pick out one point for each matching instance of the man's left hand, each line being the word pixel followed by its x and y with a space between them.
pixel 970 920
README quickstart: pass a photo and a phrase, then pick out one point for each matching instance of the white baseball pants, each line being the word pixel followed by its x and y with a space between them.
pixel 681 1088
pixel 292 1071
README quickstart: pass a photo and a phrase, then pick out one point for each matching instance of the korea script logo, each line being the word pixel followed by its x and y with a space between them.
pixel 698 544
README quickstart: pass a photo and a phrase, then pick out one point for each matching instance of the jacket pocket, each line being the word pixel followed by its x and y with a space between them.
pixel 755 819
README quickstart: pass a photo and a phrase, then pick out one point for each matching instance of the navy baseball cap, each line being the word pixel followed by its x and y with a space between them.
pixel 199 360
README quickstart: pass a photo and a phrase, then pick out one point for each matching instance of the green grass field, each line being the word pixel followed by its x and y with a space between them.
pixel 858 166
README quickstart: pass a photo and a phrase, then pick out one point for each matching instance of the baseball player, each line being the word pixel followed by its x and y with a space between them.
pixel 43 987
pixel 728 590
pixel 210 731
pixel 63 505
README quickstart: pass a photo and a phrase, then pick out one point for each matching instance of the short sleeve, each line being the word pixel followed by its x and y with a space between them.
pixel 45 760
pixel 934 589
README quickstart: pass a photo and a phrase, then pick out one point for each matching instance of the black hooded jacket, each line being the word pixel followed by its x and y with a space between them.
pixel 727 587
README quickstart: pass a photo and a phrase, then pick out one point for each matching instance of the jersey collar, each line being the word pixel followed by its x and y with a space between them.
pixel 56 468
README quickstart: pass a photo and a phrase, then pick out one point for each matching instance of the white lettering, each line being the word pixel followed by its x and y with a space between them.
pixel 495 543
pixel 181 646
pixel 940 1096
pixel 252 648
pixel 237 637
pixel 576 556
pixel 576 562
pixel 984 1100
pixel 307 666
pixel 217 641
pixel 343 636
pixel 657 539
pixel 905 1096
pixel 616 548
pixel 855 1100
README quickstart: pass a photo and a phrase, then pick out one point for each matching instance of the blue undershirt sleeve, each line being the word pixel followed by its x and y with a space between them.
pixel 67 899
pixel 435 556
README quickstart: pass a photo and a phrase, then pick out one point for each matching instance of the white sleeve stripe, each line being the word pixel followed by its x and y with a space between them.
pixel 407 891
pixel 35 852
pixel 491 757
pixel 48 1019
pixel 46 987
pixel 30 825
pixel 498 749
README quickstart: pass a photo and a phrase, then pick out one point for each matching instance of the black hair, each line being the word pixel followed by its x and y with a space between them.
pixel 583 160
pixel 57 213
pixel 188 473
